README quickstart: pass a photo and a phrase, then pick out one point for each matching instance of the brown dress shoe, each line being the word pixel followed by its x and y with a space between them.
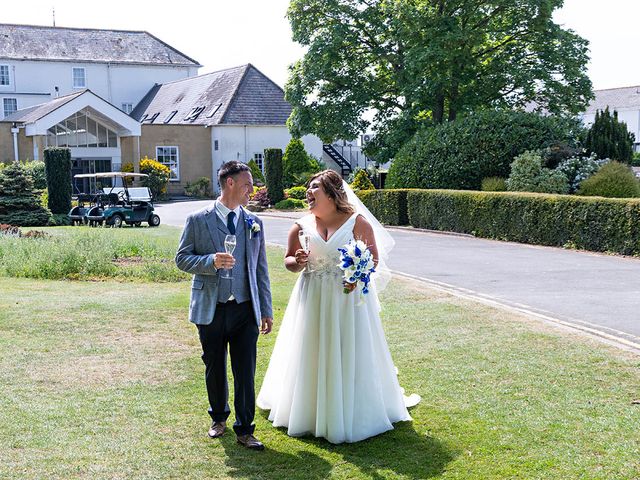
pixel 217 429
pixel 250 441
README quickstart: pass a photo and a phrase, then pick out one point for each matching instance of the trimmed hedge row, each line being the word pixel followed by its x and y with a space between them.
pixel 388 206
pixel 589 223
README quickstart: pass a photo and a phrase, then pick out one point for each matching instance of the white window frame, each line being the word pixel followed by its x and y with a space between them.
pixel 4 106
pixel 260 163
pixel 177 177
pixel 73 77
pixel 8 76
pixel 127 108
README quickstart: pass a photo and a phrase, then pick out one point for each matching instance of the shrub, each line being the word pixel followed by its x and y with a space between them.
pixel 614 180
pixel 577 169
pixel 262 197
pixel 19 203
pixel 361 181
pixel 199 188
pixel 461 153
pixel 494 184
pixel 635 162
pixel 597 224
pixel 37 171
pixel 128 168
pixel 609 138
pixel 290 204
pixel 296 161
pixel 58 172
pixel 158 178
pixel 388 206
pixel 528 175
pixel 298 193
pixel 273 173
pixel 256 173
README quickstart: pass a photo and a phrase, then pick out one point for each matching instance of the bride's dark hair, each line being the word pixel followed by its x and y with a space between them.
pixel 331 183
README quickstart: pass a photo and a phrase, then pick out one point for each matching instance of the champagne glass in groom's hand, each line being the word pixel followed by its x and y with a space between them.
pixel 229 247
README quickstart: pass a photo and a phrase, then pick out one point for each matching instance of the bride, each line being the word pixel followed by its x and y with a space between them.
pixel 331 374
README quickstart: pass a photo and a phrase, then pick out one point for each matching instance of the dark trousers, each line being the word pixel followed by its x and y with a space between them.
pixel 234 326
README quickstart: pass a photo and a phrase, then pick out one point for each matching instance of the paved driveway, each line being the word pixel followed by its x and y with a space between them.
pixel 586 290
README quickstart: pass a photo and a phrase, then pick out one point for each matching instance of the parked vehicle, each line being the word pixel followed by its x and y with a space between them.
pixel 115 205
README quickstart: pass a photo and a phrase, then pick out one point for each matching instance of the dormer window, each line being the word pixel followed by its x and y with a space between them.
pixel 4 75
pixel 79 77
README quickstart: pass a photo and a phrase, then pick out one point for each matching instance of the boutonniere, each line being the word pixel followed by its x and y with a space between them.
pixel 253 226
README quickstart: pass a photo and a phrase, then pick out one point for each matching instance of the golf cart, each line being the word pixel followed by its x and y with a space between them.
pixel 114 205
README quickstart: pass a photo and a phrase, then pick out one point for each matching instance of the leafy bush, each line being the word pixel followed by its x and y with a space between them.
pixel 290 204
pixel 158 178
pixel 557 152
pixel 528 175
pixel 58 172
pixel 615 180
pixel 19 203
pixel 200 188
pixel 494 184
pixel 128 168
pixel 461 153
pixel 273 173
pixel 299 193
pixel 262 197
pixel 635 162
pixel 361 181
pixel 37 171
pixel 295 161
pixel 597 224
pixel 256 173
pixel 577 169
pixel 388 206
pixel 609 138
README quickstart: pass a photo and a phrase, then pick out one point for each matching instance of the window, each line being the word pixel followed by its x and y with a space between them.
pixel 4 75
pixel 10 105
pixel 127 107
pixel 79 77
pixel 80 130
pixel 215 144
pixel 259 159
pixel 170 116
pixel 170 157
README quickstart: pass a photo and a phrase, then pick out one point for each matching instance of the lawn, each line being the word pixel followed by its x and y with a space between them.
pixel 103 379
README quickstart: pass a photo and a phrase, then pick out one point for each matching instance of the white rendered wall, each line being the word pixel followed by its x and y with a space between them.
pixel 237 142
pixel 115 83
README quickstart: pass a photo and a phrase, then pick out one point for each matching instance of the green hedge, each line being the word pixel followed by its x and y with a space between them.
pixel 274 174
pixel 597 224
pixel 58 172
pixel 388 206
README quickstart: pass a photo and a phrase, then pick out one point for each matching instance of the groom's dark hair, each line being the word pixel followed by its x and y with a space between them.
pixel 230 169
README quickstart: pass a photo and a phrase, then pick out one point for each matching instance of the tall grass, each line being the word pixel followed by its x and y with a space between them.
pixel 84 253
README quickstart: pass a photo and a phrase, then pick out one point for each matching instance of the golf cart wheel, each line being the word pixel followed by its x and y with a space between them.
pixel 117 221
pixel 154 220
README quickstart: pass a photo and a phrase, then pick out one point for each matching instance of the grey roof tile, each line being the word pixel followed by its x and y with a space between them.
pixel 31 42
pixel 626 98
pixel 240 95
pixel 35 112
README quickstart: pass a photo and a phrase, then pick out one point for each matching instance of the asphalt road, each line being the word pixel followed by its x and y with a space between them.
pixel 586 290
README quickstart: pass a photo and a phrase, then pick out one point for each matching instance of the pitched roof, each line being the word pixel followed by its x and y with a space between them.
pixel 624 98
pixel 34 113
pixel 31 42
pixel 235 96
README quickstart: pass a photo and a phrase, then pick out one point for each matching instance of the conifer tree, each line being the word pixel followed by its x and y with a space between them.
pixel 19 204
pixel 609 138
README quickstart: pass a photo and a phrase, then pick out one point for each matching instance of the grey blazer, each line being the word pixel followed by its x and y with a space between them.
pixel 198 243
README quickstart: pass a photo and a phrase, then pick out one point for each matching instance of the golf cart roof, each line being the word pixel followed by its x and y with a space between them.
pixel 110 175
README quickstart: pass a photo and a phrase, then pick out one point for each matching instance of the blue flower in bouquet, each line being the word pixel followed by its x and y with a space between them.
pixel 356 262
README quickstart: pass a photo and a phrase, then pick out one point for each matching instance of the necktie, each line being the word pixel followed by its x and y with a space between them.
pixel 230 225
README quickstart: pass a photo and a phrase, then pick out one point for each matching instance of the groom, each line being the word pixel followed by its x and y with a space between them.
pixel 228 312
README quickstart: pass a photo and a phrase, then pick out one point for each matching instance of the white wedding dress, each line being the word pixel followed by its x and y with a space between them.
pixel 331 374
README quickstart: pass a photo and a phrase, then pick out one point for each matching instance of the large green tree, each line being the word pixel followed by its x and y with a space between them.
pixel 420 61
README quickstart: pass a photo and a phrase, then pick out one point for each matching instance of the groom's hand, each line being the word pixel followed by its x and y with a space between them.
pixel 223 260
pixel 267 323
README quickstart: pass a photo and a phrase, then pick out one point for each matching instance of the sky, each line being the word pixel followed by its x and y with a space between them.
pixel 226 33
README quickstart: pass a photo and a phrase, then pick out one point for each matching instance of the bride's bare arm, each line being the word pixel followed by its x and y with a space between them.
pixel 295 258
pixel 362 230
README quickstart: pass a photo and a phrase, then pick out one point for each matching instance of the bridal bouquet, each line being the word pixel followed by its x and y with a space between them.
pixel 356 262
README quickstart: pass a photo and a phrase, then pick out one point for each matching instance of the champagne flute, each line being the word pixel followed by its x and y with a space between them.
pixel 229 247
pixel 305 243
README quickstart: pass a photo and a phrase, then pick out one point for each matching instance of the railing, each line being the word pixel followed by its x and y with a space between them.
pixel 337 157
